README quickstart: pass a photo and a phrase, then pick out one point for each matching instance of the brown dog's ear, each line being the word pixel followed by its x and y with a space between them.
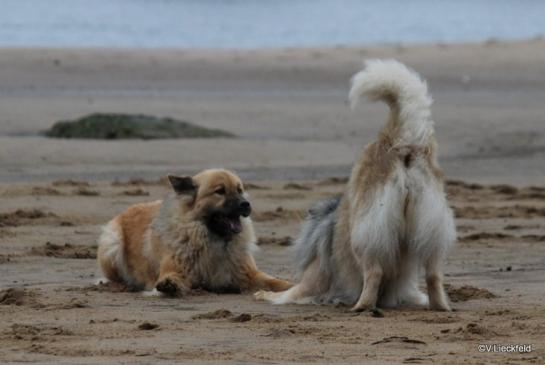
pixel 182 184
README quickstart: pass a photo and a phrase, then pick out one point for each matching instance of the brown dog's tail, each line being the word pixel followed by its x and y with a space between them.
pixel 405 93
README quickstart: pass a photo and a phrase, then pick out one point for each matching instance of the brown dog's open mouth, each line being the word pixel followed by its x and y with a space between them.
pixel 231 224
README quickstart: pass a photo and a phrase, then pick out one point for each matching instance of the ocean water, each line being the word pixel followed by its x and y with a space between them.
pixel 263 23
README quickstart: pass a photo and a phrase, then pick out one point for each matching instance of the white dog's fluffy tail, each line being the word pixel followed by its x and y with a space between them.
pixel 406 94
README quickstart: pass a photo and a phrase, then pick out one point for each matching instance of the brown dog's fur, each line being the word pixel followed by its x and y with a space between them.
pixel 168 245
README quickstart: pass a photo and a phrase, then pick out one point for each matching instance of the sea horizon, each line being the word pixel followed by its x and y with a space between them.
pixel 211 24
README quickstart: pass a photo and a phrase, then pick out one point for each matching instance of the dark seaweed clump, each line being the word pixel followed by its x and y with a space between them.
pixel 130 126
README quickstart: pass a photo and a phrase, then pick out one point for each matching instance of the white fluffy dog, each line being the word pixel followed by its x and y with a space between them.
pixel 367 247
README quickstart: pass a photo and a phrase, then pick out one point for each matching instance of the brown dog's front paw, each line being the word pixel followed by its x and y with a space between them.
pixel 167 286
pixel 260 295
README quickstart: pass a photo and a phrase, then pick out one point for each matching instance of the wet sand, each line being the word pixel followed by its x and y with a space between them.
pixel 288 107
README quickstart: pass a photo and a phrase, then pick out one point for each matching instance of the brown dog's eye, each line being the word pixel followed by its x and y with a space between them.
pixel 239 190
pixel 220 191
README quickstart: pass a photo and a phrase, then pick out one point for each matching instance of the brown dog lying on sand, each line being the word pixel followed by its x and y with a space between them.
pixel 200 236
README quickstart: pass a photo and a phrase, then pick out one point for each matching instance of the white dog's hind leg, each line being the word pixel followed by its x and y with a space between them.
pixel 372 276
pixel 302 293
pixel 296 294
pixel 434 281
pixel 433 232
pixel 408 291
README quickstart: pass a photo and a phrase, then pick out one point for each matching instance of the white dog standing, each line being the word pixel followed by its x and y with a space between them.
pixel 367 247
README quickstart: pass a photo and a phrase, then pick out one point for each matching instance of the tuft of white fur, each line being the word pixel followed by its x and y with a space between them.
pixel 101 281
pixel 381 225
pixel 110 243
pixel 153 293
pixel 404 91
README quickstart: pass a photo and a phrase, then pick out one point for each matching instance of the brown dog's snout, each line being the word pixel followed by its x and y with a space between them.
pixel 244 207
pixel 238 206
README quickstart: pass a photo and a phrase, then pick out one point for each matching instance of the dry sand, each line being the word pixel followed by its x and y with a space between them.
pixel 288 107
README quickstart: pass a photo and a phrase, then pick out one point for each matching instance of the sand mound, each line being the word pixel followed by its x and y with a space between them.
pixel 86 192
pixel 475 329
pixel 140 182
pixel 295 186
pixel 281 241
pixel 487 236
pixel 44 190
pixel 467 292
pixel 135 192
pixel 147 326
pixel 402 339
pixel 109 287
pixel 68 182
pixel 18 297
pixel 66 251
pixel 278 214
pixel 242 317
pixel 252 186
pixel 218 314
pixel 5 258
pixel 23 216
pixel 37 333
pixel 488 212
pixel 333 181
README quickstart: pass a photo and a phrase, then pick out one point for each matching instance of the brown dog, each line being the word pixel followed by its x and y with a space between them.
pixel 200 236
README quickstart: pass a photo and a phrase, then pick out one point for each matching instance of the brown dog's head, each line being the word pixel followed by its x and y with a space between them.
pixel 217 198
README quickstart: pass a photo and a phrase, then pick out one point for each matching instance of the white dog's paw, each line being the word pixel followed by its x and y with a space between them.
pixel 415 298
pixel 440 307
pixel 363 307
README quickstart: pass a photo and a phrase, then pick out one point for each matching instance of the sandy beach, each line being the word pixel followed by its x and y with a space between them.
pixel 298 140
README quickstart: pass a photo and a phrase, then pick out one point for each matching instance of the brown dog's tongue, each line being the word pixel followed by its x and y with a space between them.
pixel 235 226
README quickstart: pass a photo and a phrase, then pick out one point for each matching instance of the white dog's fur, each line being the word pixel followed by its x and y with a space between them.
pixel 368 247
